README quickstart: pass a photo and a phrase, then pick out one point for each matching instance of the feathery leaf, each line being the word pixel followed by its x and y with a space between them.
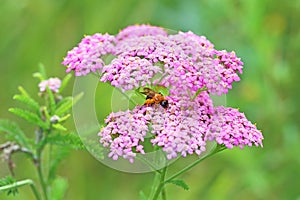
pixel 72 140
pixel 59 127
pixel 67 104
pixel 8 180
pixel 179 183
pixel 31 103
pixel 14 132
pixel 52 104
pixel 29 116
pixel 65 82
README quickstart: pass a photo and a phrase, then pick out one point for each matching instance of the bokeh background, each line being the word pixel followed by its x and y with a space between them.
pixel 264 33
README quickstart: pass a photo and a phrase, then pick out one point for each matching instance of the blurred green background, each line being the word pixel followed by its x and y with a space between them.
pixel 264 33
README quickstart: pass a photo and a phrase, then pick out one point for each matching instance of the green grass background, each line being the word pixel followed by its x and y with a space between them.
pixel 264 33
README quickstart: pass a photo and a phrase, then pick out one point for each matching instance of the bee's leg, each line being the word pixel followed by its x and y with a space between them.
pixel 149 102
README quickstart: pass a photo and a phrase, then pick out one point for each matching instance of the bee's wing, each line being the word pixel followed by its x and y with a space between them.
pixel 149 92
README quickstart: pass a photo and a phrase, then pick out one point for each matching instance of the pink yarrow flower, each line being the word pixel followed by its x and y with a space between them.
pixel 182 59
pixel 140 30
pixel 185 64
pixel 129 73
pixel 231 128
pixel 53 84
pixel 87 56
pixel 124 133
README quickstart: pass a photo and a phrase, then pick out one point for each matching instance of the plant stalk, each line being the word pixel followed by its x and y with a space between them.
pixel 22 183
pixel 38 162
pixel 41 177
pixel 161 185
pixel 216 150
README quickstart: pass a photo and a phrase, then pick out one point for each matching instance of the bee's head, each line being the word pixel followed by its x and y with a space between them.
pixel 164 103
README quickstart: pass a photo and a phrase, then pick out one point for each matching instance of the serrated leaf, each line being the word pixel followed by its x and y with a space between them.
pixel 59 127
pixel 59 188
pixel 14 132
pixel 64 118
pixel 52 104
pixel 29 116
pixel 42 71
pixel 143 196
pixel 71 140
pixel 8 180
pixel 38 75
pixel 179 183
pixel 64 101
pixel 46 113
pixel 67 104
pixel 23 91
pixel 65 82
pixel 31 103
pixel 64 105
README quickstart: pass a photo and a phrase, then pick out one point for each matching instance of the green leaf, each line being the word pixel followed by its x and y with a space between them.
pixel 52 104
pixel 8 180
pixel 59 127
pixel 59 188
pixel 29 116
pixel 46 113
pixel 64 118
pixel 23 91
pixel 143 196
pixel 31 103
pixel 66 104
pixel 38 75
pixel 71 140
pixel 179 183
pixel 42 71
pixel 14 132
pixel 65 82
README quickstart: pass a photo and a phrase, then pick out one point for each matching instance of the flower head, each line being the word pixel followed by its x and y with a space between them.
pixel 129 73
pixel 178 130
pixel 87 56
pixel 124 133
pixel 185 64
pixel 231 128
pixel 181 129
pixel 53 84
pixel 140 30
pixel 179 60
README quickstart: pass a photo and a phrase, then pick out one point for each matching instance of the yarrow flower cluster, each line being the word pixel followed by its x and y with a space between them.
pixel 87 57
pixel 184 63
pixel 231 128
pixel 124 132
pixel 53 84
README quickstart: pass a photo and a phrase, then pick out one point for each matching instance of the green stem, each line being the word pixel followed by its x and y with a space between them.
pixel 197 93
pixel 22 183
pixel 161 184
pixel 155 182
pixel 38 162
pixel 164 193
pixel 41 177
pixel 216 150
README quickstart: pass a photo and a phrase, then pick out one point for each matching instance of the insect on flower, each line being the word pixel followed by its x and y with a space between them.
pixel 153 97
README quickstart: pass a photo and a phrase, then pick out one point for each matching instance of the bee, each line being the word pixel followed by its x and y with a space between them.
pixel 153 97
